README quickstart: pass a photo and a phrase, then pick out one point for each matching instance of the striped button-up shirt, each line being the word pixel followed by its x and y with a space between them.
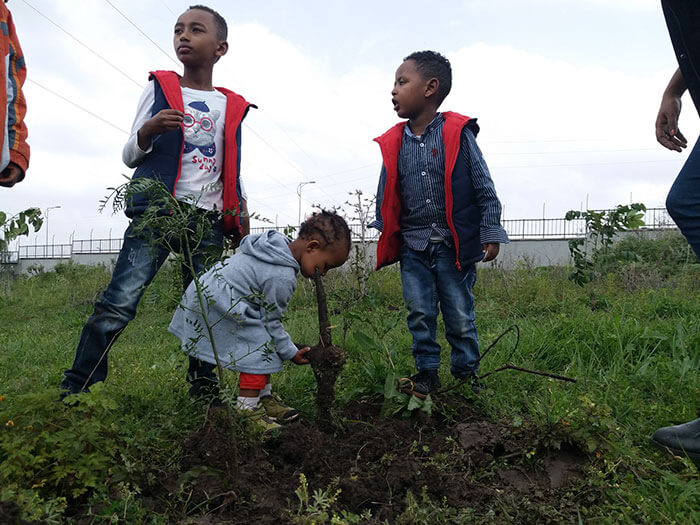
pixel 422 181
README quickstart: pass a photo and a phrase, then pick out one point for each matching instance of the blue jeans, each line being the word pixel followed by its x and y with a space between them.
pixel 431 277
pixel 683 201
pixel 136 266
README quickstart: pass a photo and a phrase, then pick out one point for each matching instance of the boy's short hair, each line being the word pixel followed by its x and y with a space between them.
pixel 221 27
pixel 432 64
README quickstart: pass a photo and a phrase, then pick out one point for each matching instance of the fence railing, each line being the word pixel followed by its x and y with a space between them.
pixel 9 257
pixel 518 229
pixel 560 228
pixel 82 246
pixel 45 251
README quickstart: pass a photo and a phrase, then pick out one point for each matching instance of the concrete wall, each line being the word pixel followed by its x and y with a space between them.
pixel 529 252
pixel 46 265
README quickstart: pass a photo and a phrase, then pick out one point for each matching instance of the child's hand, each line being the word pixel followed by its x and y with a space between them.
pixel 163 121
pixel 300 358
pixel 490 251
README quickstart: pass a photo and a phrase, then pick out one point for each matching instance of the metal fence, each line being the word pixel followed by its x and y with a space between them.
pixel 45 251
pixel 96 246
pixel 654 219
pixel 355 229
pixel 518 229
pixel 9 257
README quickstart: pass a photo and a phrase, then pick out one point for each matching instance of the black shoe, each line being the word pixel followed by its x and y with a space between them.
pixel 473 380
pixel 420 384
pixel 207 391
pixel 477 385
pixel 681 440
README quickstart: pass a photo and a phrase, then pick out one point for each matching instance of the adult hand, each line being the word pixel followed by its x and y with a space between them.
pixel 301 357
pixel 667 132
pixel 11 175
pixel 490 251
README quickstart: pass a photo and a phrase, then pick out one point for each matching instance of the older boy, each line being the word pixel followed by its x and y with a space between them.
pixel 439 214
pixel 186 134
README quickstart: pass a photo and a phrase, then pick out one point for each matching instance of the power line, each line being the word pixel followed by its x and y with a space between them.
pixel 275 150
pixel 143 33
pixel 168 7
pixel 572 151
pixel 81 108
pixel 581 164
pixel 537 141
pixel 291 139
pixel 84 45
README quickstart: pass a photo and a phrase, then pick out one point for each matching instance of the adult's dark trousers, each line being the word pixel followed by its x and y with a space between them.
pixel 683 201
pixel 137 264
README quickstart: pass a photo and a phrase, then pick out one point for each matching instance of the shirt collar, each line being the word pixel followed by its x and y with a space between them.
pixel 433 124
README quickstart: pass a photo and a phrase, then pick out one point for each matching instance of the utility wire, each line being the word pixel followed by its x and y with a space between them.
pixel 84 45
pixel 81 108
pixel 494 154
pixel 168 7
pixel 143 33
pixel 580 164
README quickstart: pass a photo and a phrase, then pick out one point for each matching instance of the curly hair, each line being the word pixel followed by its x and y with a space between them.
pixel 328 226
pixel 431 64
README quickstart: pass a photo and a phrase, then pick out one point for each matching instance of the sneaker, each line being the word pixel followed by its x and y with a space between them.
pixel 259 420
pixel 420 384
pixel 277 409
pixel 681 440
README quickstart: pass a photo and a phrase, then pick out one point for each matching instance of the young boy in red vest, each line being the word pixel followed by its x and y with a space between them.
pixel 187 134
pixel 438 214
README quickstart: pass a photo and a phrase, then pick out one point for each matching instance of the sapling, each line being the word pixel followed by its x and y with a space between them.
pixel 327 361
pixel 175 226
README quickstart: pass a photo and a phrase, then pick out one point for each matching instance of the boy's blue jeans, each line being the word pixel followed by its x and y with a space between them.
pixel 136 266
pixel 683 201
pixel 430 277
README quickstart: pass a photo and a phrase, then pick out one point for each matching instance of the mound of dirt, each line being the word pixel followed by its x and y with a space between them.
pixel 461 461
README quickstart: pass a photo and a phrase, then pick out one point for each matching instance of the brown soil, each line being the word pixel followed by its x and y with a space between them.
pixel 460 461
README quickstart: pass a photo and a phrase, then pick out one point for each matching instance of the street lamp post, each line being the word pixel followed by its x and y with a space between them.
pixel 47 221
pixel 301 185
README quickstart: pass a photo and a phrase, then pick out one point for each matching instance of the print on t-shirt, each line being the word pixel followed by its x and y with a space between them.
pixel 200 130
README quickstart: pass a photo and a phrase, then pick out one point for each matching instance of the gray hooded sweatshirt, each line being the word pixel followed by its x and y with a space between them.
pixel 245 298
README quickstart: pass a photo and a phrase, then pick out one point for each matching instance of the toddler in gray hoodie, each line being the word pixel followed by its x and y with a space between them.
pixel 244 299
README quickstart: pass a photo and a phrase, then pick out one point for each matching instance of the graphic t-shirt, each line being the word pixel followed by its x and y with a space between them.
pixel 203 153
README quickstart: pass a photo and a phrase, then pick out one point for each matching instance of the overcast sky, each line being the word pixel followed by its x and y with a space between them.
pixel 566 92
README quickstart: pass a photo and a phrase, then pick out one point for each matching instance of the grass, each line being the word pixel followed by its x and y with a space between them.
pixel 632 339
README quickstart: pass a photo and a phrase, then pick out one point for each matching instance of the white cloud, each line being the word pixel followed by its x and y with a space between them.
pixel 317 124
